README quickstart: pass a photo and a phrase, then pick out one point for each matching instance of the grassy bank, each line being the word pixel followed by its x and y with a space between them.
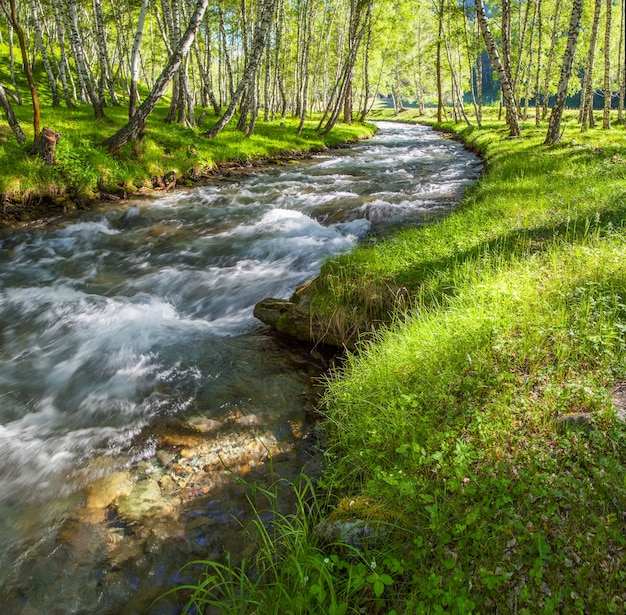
pixel 479 432
pixel 86 171
pixel 484 418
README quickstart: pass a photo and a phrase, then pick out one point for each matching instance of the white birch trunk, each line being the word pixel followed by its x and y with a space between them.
pixel 506 86
pixel 554 129
pixel 135 59
pixel 136 123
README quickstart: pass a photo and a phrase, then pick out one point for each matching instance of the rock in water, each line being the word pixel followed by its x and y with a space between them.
pixel 270 310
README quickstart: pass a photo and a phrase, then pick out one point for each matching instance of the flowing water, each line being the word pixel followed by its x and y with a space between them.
pixel 135 382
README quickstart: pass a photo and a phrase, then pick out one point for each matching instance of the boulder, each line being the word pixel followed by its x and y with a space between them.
pixel 579 421
pixel 295 318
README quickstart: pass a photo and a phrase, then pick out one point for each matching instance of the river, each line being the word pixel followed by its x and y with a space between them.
pixel 135 384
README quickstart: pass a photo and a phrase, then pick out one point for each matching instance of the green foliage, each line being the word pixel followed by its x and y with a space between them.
pixel 294 569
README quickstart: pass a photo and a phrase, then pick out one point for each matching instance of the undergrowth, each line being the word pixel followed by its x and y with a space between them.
pixel 299 565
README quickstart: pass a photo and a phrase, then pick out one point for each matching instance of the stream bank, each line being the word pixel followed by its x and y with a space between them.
pixel 138 388
pixel 85 173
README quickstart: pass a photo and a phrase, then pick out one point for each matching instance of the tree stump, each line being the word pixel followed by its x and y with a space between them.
pixel 46 144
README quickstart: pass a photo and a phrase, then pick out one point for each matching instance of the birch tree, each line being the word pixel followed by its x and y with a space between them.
pixel 267 10
pixel 63 63
pixel 506 85
pixel 606 115
pixel 130 130
pixel 81 59
pixel 106 80
pixel 586 99
pixel 10 115
pixel 554 128
pixel 135 58
pixel 37 20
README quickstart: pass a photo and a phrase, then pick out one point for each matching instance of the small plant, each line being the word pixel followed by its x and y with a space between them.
pixel 295 569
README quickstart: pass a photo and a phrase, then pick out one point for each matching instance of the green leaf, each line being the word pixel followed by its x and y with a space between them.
pixel 379 588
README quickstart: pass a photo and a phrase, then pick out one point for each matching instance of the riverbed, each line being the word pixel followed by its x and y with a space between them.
pixel 138 394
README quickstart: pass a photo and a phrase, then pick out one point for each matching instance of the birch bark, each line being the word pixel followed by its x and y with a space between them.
pixel 81 60
pixel 136 123
pixel 11 119
pixel 551 56
pixel 63 60
pixel 554 128
pixel 586 101
pixel 503 75
pixel 267 9
pixel 52 82
pixel 606 115
pixel 106 81
pixel 134 59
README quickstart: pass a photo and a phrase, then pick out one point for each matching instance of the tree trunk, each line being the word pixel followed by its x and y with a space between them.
pixel 52 83
pixel 205 71
pixel 225 54
pixel 106 81
pixel 457 95
pixel 586 101
pixel 136 123
pixel 620 73
pixel 12 65
pixel 506 39
pixel 538 74
pixel 606 116
pixel 344 81
pixel 81 60
pixel 366 75
pixel 63 61
pixel 11 119
pixel 505 82
pixel 469 64
pixel 11 14
pixel 439 78
pixel 520 49
pixel 479 85
pixel 46 144
pixel 554 128
pixel 551 55
pixel 267 9
pixel 134 60
pixel 527 71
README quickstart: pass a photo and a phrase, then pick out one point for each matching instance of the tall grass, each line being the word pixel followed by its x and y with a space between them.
pixel 480 423
pixel 483 416
pixel 297 566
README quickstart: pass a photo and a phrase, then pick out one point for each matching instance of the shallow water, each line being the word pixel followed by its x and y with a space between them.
pixel 134 379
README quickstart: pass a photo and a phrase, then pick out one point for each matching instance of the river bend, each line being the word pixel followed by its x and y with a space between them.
pixel 132 372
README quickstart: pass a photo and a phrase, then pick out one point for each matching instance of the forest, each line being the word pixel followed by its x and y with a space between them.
pixel 276 59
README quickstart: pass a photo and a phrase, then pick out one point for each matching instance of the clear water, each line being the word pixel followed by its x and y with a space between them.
pixel 120 326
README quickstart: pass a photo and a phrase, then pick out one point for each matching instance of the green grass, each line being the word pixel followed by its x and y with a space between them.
pixel 84 167
pixel 447 425
pixel 516 317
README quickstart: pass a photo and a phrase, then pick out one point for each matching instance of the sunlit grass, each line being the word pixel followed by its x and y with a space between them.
pixel 480 422
pixel 513 319
pixel 84 167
